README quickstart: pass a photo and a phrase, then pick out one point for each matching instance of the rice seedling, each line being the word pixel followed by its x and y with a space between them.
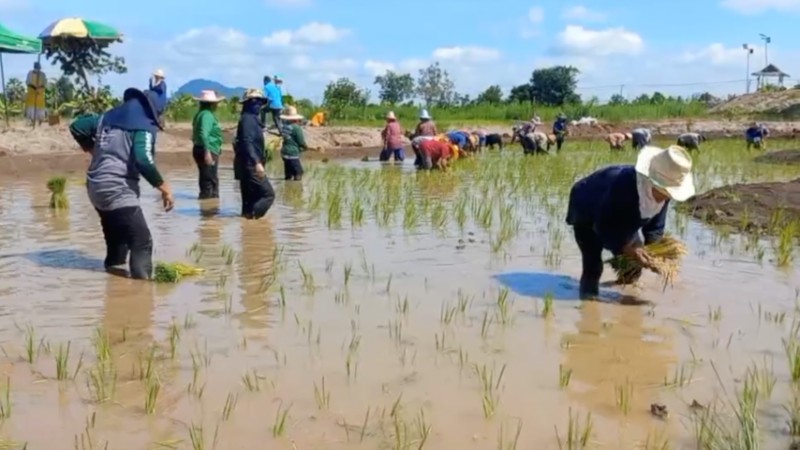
pixel 792 410
pixel 5 400
pixel 578 433
pixel 504 307
pixel 308 278
pixel 230 404
pixel 763 378
pixel 174 272
pixel 322 396
pixel 624 396
pixel 657 441
pixel 252 381
pixel 792 349
pixel 152 387
pixel 564 376
pixel 447 313
pixel 490 384
pixel 62 362
pixel 503 443
pixel 681 376
pixel 348 272
pixel 31 346
pixel 174 339
pixel 547 305
pixel 784 247
pixel 364 426
pixel 666 254
pixel 58 197
pixel 197 437
pixel 102 381
pixel 228 254
pixel 281 416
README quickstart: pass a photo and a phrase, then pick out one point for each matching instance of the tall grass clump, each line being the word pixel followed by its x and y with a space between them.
pixel 58 197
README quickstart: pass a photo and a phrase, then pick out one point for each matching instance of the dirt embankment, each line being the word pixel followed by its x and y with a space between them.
pixel 786 157
pixel 785 104
pixel 757 207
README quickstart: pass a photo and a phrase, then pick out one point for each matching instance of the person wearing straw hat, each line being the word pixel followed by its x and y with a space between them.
pixel 158 84
pixel 294 143
pixel 426 125
pixel 122 144
pixel 250 156
pixel 609 208
pixel 207 144
pixel 392 136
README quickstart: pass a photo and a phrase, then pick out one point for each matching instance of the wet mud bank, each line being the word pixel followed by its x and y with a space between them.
pixel 753 208
pixel 787 157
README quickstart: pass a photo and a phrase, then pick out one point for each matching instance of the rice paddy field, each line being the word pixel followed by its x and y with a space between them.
pixel 381 308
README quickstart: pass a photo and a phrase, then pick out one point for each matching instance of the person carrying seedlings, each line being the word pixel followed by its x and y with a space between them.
pixel 608 209
pixel 250 157
pixel 392 136
pixel 207 144
pixel 426 125
pixel 294 143
pixel 616 141
pixel 560 131
pixel 756 136
pixel 122 145
pixel 435 154
pixel 691 141
pixel 640 138
pixel 274 96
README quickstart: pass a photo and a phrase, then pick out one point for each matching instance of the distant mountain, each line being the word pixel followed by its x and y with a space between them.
pixel 195 86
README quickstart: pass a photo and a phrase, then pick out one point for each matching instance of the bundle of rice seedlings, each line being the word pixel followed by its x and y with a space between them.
pixel 58 198
pixel 174 272
pixel 272 147
pixel 666 254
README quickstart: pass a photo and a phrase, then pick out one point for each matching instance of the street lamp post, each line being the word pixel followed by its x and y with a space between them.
pixel 767 40
pixel 748 51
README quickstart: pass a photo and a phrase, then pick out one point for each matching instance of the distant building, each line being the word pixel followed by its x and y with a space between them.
pixel 771 71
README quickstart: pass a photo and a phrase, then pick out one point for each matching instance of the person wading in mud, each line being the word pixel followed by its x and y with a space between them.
pixel 608 208
pixel 392 136
pixel 560 131
pixel 426 125
pixel 756 136
pixel 122 145
pixel 294 143
pixel 250 158
pixel 207 144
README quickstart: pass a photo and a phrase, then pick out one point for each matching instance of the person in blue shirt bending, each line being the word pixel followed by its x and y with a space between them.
pixel 272 91
pixel 609 208
pixel 756 136
pixel 560 131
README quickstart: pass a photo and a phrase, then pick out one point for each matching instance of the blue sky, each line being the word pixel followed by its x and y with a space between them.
pixel 620 46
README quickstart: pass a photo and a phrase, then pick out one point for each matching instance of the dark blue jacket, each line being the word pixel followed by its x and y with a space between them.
pixel 755 132
pixel 608 201
pixel 560 125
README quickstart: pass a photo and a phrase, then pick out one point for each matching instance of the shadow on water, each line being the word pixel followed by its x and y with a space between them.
pixel 208 212
pixel 70 259
pixel 560 287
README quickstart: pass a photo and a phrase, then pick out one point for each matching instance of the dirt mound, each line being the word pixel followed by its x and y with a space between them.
pixel 785 104
pixel 757 207
pixel 787 157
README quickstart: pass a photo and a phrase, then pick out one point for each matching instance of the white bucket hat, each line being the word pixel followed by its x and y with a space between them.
pixel 209 97
pixel 390 116
pixel 669 169
pixel 291 114
pixel 424 114
pixel 159 73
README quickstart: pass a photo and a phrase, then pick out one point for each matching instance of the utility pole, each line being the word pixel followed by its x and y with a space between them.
pixel 748 51
pixel 767 40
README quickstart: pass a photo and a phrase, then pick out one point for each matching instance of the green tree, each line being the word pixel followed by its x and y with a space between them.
pixel 342 93
pixel 555 86
pixel 435 87
pixel 658 98
pixel 617 99
pixel 83 58
pixel 493 95
pixel 15 90
pixel 642 99
pixel 395 87
pixel 521 94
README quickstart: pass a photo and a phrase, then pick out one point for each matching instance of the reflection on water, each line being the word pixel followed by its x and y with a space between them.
pixel 402 300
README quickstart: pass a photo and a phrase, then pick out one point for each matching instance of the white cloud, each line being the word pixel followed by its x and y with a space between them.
pixel 288 3
pixel 536 15
pixel 759 6
pixel 577 40
pixel 473 55
pixel 583 14
pixel 719 55
pixel 378 67
pixel 314 33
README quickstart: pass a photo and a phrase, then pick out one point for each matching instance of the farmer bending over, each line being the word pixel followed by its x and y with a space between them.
pixel 435 153
pixel 691 141
pixel 122 144
pixel 756 136
pixel 640 138
pixel 609 207
pixel 616 141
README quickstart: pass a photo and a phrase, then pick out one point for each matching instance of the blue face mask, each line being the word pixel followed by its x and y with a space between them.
pixel 252 106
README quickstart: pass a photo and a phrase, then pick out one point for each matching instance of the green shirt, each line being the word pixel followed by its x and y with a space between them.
pixel 294 141
pixel 84 128
pixel 206 131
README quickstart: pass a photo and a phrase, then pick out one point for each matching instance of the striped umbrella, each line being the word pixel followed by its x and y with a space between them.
pixel 73 27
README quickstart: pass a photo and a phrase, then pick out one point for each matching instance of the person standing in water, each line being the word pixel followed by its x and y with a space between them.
pixel 392 136
pixel 426 125
pixel 250 157
pixel 560 131
pixel 608 209
pixel 207 144
pixel 122 145
pixel 294 143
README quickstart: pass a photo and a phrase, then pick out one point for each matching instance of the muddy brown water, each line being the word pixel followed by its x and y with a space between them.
pixel 415 320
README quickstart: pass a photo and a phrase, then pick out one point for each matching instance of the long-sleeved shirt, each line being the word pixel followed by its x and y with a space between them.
pixel 560 126
pixel 689 140
pixel 608 201
pixel 274 95
pixel 754 133
pixel 294 141
pixel 206 131
pixel 392 135
pixel 160 88
pixel 426 128
pixel 250 146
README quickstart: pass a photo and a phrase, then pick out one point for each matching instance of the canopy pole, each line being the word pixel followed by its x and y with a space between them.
pixel 36 97
pixel 5 92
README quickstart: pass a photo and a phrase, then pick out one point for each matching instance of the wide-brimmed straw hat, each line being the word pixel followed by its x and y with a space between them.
pixel 251 94
pixel 669 169
pixel 159 73
pixel 390 116
pixel 209 97
pixel 291 114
